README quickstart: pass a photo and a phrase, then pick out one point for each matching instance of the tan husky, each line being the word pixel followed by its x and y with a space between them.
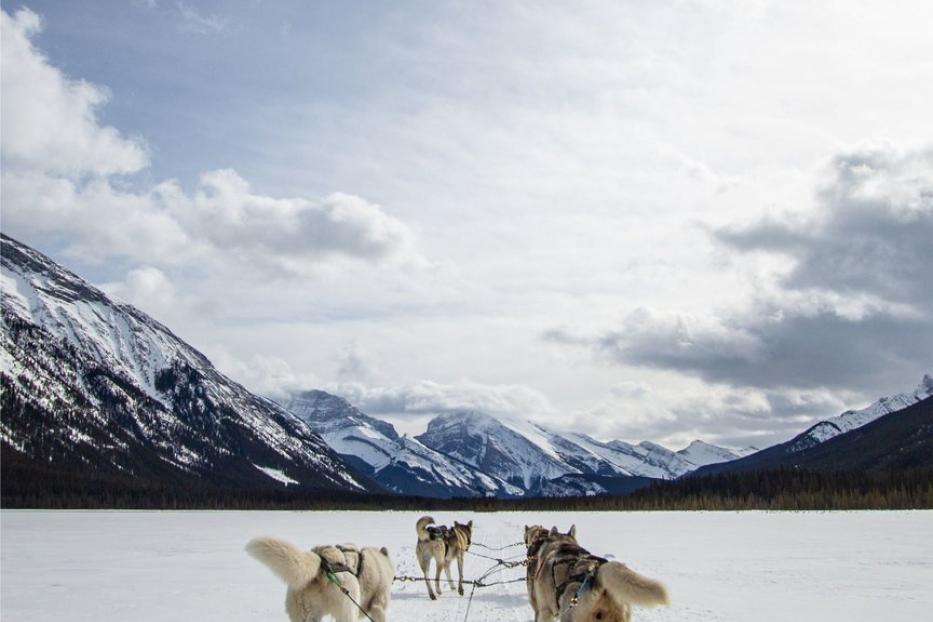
pixel 536 536
pixel 314 579
pixel 443 545
pixel 572 585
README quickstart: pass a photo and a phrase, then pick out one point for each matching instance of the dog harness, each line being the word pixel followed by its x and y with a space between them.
pixel 355 567
pixel 532 555
pixel 445 533
pixel 579 568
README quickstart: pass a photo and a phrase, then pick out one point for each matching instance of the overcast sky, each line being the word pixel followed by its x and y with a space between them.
pixel 661 220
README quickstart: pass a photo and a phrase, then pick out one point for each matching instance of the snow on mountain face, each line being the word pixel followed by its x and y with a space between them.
pixel 851 419
pixel 345 429
pixel 701 454
pixel 473 453
pixel 401 464
pixel 485 443
pixel 621 458
pixel 530 455
pixel 92 384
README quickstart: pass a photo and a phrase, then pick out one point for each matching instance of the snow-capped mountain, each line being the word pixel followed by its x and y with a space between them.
pixel 852 419
pixel 523 458
pixel 700 453
pixel 92 385
pixel 804 446
pixel 399 463
pixel 545 461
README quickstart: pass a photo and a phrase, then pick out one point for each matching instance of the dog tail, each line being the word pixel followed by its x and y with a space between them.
pixel 422 527
pixel 289 563
pixel 627 586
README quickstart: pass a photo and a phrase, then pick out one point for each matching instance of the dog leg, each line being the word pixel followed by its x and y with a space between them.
pixel 425 565
pixel 377 613
pixel 348 613
pixel 377 607
pixel 531 595
pixel 450 577
pixel 437 577
pixel 460 570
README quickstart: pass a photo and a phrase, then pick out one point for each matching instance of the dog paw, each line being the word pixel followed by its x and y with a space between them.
pixel 460 590
pixel 433 596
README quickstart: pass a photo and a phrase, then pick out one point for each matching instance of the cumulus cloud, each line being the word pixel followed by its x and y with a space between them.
pixel 151 290
pixel 264 374
pixel 64 183
pixel 93 219
pixel 354 365
pixel 142 287
pixel 49 121
pixel 292 231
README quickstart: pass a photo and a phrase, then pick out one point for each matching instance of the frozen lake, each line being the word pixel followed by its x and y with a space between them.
pixel 116 565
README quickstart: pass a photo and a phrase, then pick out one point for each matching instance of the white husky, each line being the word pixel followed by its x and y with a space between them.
pixel 314 579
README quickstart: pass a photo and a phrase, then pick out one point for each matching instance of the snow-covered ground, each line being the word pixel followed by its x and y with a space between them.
pixel 142 566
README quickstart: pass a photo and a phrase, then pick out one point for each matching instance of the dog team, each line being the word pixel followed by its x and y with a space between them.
pixel 565 581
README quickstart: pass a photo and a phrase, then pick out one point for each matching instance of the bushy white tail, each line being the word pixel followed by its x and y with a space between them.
pixel 294 566
pixel 627 586
pixel 422 527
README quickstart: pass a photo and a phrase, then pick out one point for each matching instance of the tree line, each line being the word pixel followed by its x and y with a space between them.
pixel 24 485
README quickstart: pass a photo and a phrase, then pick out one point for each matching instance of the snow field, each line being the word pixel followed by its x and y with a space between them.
pixel 119 565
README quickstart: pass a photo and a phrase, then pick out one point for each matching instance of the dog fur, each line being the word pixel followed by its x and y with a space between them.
pixel 609 597
pixel 311 595
pixel 535 538
pixel 452 544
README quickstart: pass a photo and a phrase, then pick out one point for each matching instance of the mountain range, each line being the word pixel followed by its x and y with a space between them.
pixel 471 453
pixel 893 433
pixel 92 386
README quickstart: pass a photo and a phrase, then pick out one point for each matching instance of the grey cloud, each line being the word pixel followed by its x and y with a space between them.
pixel 853 311
pixel 726 416
pixel 874 236
pixel 774 347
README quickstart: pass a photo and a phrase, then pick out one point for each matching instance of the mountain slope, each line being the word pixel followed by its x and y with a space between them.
pixel 527 454
pixel 824 431
pixel 701 454
pixel 899 440
pixel 495 448
pixel 851 419
pixel 399 463
pixel 92 385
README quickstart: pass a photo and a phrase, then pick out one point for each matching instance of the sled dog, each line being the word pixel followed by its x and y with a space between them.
pixel 572 585
pixel 536 536
pixel 443 545
pixel 314 579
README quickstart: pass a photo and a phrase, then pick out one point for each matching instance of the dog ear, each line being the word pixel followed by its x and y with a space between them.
pixel 384 551
pixel 554 531
pixel 470 523
pixel 573 531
